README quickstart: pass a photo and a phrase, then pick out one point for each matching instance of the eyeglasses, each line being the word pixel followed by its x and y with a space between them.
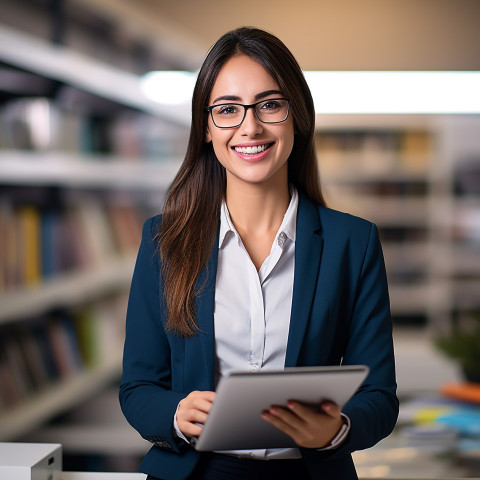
pixel 231 115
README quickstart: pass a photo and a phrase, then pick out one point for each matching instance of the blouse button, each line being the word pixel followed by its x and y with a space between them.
pixel 254 368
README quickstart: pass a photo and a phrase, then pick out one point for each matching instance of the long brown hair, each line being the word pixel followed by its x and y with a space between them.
pixel 192 208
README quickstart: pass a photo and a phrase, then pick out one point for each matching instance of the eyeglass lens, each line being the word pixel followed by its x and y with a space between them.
pixel 268 111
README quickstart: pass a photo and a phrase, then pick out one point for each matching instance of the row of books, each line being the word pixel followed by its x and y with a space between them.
pixel 394 188
pixel 375 152
pixel 41 352
pixel 38 243
pixel 41 124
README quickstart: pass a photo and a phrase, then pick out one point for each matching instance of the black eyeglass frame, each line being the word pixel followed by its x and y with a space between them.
pixel 246 107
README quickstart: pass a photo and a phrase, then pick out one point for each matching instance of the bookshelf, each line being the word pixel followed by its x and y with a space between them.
pixel 58 397
pixel 418 178
pixel 67 289
pixel 84 159
pixel 75 171
pixel 458 221
pixel 369 170
pixel 73 68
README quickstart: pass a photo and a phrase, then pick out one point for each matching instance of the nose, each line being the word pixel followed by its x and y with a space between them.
pixel 251 125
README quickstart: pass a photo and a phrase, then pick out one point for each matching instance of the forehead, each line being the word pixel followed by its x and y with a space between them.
pixel 242 77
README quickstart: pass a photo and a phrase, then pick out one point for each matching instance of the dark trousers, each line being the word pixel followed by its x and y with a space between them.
pixel 215 466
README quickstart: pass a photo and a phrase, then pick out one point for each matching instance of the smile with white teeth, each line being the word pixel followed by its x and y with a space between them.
pixel 251 150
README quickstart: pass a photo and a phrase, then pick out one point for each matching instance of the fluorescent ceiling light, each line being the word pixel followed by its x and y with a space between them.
pixel 395 92
pixel 353 92
pixel 168 87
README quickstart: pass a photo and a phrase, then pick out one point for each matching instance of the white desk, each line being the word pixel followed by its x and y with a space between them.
pixel 102 476
pixel 142 476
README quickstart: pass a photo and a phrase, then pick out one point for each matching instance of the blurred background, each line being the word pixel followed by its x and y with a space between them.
pixel 88 148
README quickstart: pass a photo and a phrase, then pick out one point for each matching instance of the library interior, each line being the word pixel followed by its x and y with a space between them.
pixel 94 121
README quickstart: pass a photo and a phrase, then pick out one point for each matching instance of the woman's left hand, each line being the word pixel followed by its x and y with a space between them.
pixel 307 427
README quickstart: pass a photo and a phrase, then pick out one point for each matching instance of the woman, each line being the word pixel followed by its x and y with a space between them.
pixel 247 269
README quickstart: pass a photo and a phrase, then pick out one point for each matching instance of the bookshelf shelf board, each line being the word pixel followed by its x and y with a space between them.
pixel 404 255
pixel 71 170
pixel 57 398
pixel 351 176
pixel 388 211
pixel 466 260
pixel 67 289
pixel 373 122
pixel 59 63
pixel 467 207
pixel 410 299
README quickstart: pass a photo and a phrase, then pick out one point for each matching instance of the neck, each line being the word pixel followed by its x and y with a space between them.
pixel 257 208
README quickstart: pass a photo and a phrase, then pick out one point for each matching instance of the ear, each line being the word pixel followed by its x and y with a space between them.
pixel 208 137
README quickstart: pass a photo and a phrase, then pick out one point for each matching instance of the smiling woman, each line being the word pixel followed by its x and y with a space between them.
pixel 250 149
pixel 248 270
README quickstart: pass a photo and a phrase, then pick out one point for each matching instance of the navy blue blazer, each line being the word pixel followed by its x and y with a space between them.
pixel 340 315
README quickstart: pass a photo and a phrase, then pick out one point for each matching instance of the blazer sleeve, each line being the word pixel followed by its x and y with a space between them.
pixel 146 398
pixel 373 410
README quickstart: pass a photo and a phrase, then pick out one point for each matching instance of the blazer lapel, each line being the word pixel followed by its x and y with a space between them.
pixel 308 252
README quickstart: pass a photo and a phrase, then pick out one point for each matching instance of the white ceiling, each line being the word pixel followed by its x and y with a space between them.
pixel 322 34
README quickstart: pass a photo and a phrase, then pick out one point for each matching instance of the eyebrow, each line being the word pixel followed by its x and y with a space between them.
pixel 258 96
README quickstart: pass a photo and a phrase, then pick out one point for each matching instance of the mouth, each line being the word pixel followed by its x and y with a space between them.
pixel 252 150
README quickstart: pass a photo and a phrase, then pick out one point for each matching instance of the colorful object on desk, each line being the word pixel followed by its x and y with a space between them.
pixel 468 392
pixel 465 420
pixel 428 415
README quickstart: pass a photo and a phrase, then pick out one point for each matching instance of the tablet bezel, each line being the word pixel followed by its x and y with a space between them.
pixel 234 422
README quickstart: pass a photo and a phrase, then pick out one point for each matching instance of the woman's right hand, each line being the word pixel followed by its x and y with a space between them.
pixel 193 411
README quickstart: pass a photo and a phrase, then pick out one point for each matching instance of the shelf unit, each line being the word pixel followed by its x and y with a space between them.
pixel 58 398
pixel 67 289
pixel 75 171
pixel 369 169
pixel 73 68
pixel 399 171
pixel 458 219
pixel 97 176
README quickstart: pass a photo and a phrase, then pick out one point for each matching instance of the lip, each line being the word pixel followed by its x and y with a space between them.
pixel 252 158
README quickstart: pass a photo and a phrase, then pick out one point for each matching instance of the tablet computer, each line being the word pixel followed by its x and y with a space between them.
pixel 234 421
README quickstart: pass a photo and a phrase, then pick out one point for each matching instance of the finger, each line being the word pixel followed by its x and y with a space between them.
pixel 287 417
pixel 190 429
pixel 197 400
pixel 201 404
pixel 193 416
pixel 307 413
pixel 302 411
pixel 331 409
pixel 208 395
pixel 280 424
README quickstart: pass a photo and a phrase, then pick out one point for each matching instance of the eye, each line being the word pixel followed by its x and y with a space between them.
pixel 271 105
pixel 227 110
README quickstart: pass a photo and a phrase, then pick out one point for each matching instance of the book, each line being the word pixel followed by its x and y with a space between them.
pixel 29 225
pixel 33 357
